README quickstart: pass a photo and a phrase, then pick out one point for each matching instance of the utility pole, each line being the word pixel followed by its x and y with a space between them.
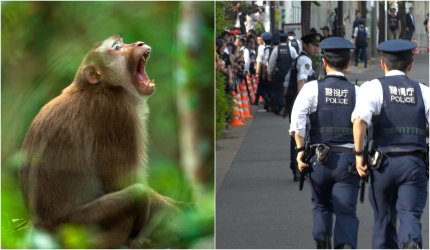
pixel 373 30
pixel 340 28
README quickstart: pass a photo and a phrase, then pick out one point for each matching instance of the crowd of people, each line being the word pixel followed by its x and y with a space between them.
pixel 329 118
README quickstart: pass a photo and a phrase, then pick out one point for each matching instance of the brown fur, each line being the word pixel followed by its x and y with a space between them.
pixel 85 148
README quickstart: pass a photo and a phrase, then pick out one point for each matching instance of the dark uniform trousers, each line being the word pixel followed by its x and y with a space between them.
pixel 401 182
pixel 399 186
pixel 334 187
pixel 335 192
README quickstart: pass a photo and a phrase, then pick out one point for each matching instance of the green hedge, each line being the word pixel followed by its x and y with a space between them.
pixel 223 104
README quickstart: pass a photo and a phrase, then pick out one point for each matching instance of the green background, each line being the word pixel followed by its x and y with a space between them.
pixel 42 45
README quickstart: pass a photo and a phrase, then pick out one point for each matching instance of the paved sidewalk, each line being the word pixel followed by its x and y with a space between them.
pixel 257 203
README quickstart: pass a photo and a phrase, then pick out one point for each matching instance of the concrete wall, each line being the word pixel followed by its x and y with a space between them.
pixel 320 17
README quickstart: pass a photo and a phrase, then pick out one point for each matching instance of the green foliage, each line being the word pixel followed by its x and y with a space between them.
pixel 42 46
pixel 223 104
pixel 222 22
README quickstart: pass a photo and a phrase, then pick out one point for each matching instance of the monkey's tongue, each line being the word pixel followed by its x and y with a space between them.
pixel 141 76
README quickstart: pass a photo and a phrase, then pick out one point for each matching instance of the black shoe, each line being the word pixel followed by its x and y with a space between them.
pixel 411 245
pixel 323 243
pixel 296 177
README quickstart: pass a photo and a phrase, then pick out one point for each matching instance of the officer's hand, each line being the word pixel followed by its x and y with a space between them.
pixel 300 164
pixel 361 168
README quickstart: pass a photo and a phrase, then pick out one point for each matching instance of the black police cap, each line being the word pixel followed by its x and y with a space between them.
pixel 266 36
pixel 315 38
pixel 397 49
pixel 275 38
pixel 335 43
pixel 396 46
pixel 283 35
pixel 336 46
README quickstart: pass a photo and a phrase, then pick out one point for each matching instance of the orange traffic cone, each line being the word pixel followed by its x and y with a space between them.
pixel 245 102
pixel 235 120
pixel 255 83
pixel 250 88
pixel 239 103
pixel 416 51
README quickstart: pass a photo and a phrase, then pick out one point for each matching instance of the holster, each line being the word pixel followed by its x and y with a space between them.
pixel 322 152
pixel 375 159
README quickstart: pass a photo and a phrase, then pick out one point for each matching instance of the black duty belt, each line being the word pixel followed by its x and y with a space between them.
pixel 416 152
pixel 339 149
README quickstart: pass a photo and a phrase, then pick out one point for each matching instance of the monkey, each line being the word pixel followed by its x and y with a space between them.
pixel 86 149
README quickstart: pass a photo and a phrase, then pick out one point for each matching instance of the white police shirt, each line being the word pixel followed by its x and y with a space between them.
pixel 304 67
pixel 306 103
pixel 272 61
pixel 260 53
pixel 370 104
pixel 274 56
pixel 246 58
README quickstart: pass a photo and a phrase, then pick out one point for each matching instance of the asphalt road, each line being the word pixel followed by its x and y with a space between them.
pixel 257 203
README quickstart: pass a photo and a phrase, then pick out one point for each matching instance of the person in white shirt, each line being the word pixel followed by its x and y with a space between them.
pixel 280 62
pixel 240 43
pixel 262 63
pixel 300 73
pixel 328 105
pixel 397 108
pixel 361 33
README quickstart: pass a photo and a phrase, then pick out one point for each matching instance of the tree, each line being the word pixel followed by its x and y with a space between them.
pixel 402 14
pixel 381 22
pixel 306 17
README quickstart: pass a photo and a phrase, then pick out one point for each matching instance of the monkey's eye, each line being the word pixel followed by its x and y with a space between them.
pixel 116 46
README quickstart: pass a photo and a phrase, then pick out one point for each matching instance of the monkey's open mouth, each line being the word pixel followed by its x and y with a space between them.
pixel 144 84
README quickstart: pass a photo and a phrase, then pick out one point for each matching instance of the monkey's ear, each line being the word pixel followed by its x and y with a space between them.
pixel 92 75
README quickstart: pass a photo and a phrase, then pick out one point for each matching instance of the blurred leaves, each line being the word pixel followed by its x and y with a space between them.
pixel 42 46
pixel 223 104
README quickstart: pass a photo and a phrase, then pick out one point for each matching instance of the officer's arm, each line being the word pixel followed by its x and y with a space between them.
pixel 300 84
pixel 247 60
pixel 302 72
pixel 300 143
pixel 359 130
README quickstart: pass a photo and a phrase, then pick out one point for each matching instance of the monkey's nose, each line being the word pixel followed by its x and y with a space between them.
pixel 140 44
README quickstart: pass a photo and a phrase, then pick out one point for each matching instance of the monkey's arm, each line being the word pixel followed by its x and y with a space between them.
pixel 121 214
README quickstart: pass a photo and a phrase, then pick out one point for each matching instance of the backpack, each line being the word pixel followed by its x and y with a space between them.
pixel 283 64
pixel 361 36
pixel 292 86
pixel 295 45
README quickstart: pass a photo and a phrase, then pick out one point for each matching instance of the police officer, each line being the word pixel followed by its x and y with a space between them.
pixel 279 65
pixel 398 109
pixel 262 62
pixel 328 104
pixel 293 41
pixel 301 72
pixel 304 63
